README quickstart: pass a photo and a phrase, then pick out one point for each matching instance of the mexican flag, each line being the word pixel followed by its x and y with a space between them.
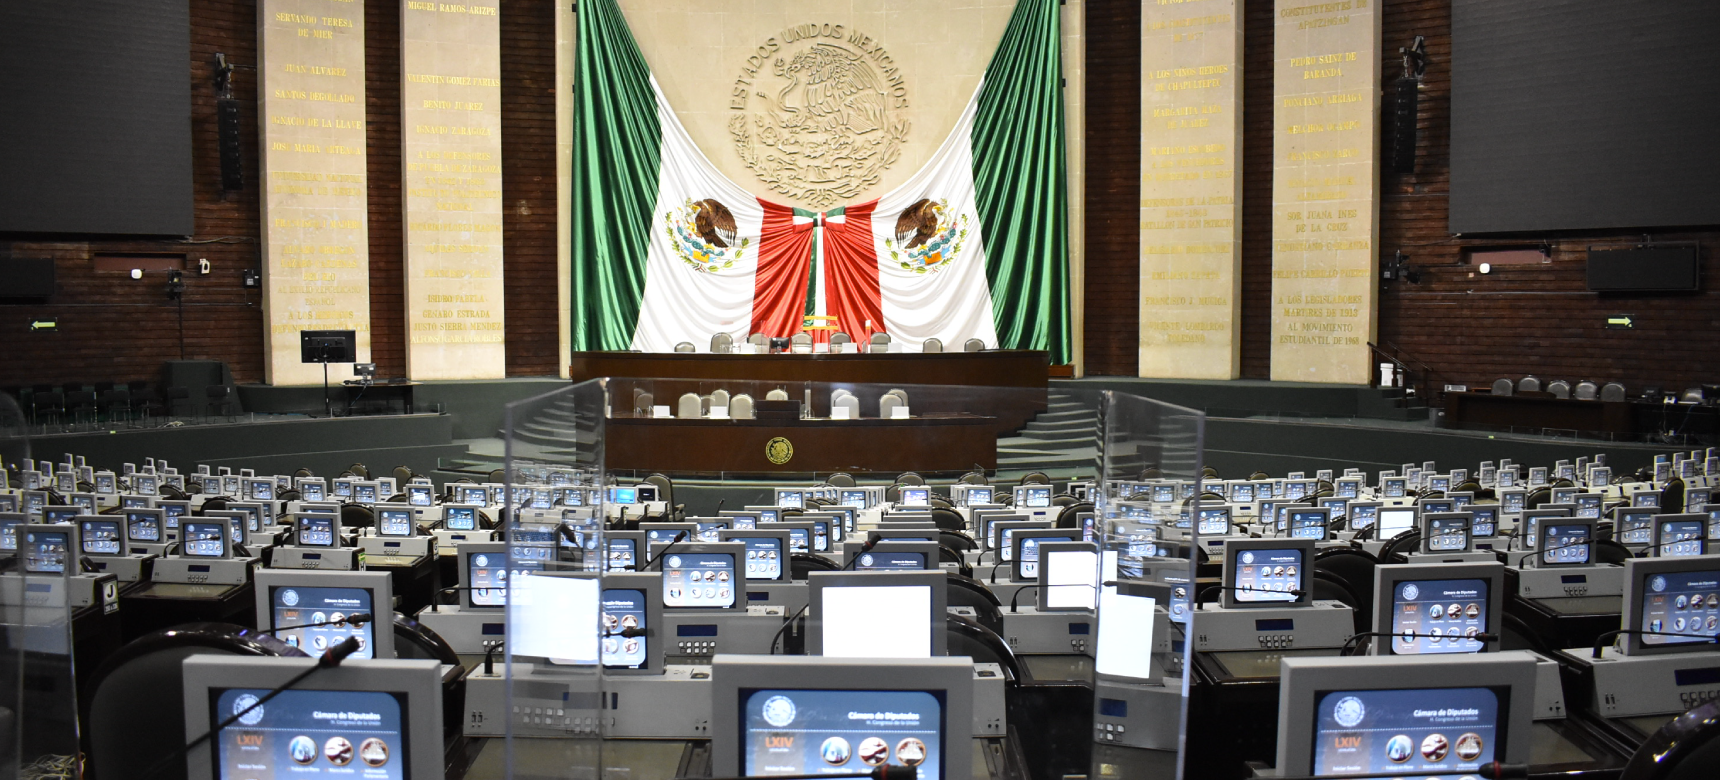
pixel 974 246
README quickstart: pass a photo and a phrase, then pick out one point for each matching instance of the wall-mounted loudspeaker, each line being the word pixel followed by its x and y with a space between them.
pixel 227 128
pixel 1401 134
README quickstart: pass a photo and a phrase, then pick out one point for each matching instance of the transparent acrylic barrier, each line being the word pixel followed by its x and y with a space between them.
pixel 609 670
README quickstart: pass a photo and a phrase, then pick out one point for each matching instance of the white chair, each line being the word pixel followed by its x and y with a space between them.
pixel 722 344
pixel 901 395
pixel 1529 384
pixel 933 345
pixel 741 407
pixel 685 346
pixel 688 408
pixel 758 340
pixel 719 397
pixel 887 405
pixel 642 402
pixel 1559 388
pixel 973 345
pixel 800 343
pixel 1503 387
pixel 880 342
pixel 1612 391
pixel 849 402
pixel 776 395
pixel 1586 391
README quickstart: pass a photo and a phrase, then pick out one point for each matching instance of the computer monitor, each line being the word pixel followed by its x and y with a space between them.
pixel 897 556
pixel 1025 558
pixel 1394 520
pixel 1433 608
pixel 1240 492
pixel 1566 541
pixel 290 601
pixel 257 515
pixel 1513 501
pixel 1268 572
pixel 1588 504
pixel 977 494
pixel 101 534
pixel 624 550
pixel 1298 489
pixel 396 520
pixel 312 488
pixel 1032 496
pixel 664 533
pixel 705 577
pixel 106 483
pixel 631 610
pixel 852 497
pixel 485 571
pixel 1214 520
pixel 1435 716
pixel 1002 531
pixel 825 528
pixel 877 614
pixel 799 535
pixel 708 529
pixel 1428 505
pixel 1645 498
pixel 766 514
pixel 203 537
pixel 1339 507
pixel 1634 525
pixel 1674 535
pixel 316 530
pixel 1361 514
pixel 1127 617
pixel 420 495
pixel 806 714
pixel 914 496
pixel 145 526
pixel 9 501
pixel 1483 520
pixel 259 489
pixel 1439 483
pixel 1068 576
pixel 1306 522
pixel 53 514
pixel 472 495
pixel 1447 532
pixel 1679 598
pixel 460 517
pixel 1348 488
pixel 375 718
pixel 791 498
pixel 767 552
pixel 1537 476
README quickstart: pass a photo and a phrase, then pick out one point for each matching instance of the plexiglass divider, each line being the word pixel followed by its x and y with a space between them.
pixel 609 667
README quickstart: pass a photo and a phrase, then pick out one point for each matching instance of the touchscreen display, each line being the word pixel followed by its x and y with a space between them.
pixel 1028 566
pixel 60 514
pixel 793 499
pixel 1588 505
pixel 1447 534
pixel 1242 493
pixel 622 553
pixel 1394 521
pixel 420 495
pixel 769 515
pixel 1685 603
pixel 1394 487
pixel 203 539
pixel 1484 520
pixel 878 560
pixel 976 495
pixel 623 495
pixel 394 522
pixel 1348 489
pixel 142 527
pixel 1565 544
pixel 1438 616
pixel 699 580
pixel 744 522
pixel 1214 522
pixel 764 558
pixel 799 540
pixel 487 575
pixel 316 531
pixel 474 495
pixel 1438 731
pixel 99 537
pixel 1164 494
pixel 853 731
pixel 624 614
pixel 915 497
pixel 460 518
pixel 858 497
pixel 311 734
pixel 262 489
pixel 364 493
pixel 45 551
pixel 1677 537
pixel 1307 525
pixel 1362 516
pixel 820 536
pixel 300 606
pixel 709 532
pixel 1636 527
pixel 1035 496
pixel 1268 575
pixel 661 535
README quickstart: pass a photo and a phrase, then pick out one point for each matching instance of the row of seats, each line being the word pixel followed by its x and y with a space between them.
pixel 801 343
pixel 77 402
pixel 1584 390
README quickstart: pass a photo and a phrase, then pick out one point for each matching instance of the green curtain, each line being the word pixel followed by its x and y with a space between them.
pixel 1020 182
pixel 616 158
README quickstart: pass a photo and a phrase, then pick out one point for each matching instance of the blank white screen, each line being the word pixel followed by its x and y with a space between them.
pixel 1125 646
pixel 1071 579
pixel 1393 522
pixel 554 617
pixel 878 622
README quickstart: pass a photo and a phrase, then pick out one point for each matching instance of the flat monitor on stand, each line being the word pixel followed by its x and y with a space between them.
pixel 325 347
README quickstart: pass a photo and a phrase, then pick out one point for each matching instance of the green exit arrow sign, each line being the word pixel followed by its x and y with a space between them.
pixel 1621 321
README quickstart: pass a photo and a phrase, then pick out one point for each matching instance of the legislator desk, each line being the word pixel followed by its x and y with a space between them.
pixel 1543 410
pixel 1009 385
pixel 924 443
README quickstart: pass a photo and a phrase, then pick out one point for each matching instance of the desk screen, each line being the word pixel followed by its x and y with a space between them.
pixel 710 531
pixel 1268 575
pixel 699 580
pixel 887 621
pixel 891 561
pixel 975 495
pixel 143 526
pixel 1307 525
pixel 100 537
pixel 810 731
pixel 420 495
pixel 799 540
pixel 311 734
pixel 623 609
pixel 1677 537
pixel 460 518
pixel 487 574
pixel 394 522
pixel 1215 522
pixel 1034 496
pixel 1394 521
pixel 621 554
pixel 1485 520
pixel 1685 603
pixel 764 558
pixel 299 606
pixel 45 552
pixel 200 539
pixel 1437 731
pixel 1438 616
pixel 1565 545
pixel 623 495
pixel 1447 534
pixel 316 531
pixel 1362 516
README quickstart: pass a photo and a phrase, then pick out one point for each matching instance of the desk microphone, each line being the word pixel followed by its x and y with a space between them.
pixel 1349 644
pixel 1210 588
pixel 887 772
pixel 329 660
pixel 630 632
pixel 866 548
pixel 1606 636
pixel 720 503
pixel 646 566
pixel 1017 595
pixel 358 619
